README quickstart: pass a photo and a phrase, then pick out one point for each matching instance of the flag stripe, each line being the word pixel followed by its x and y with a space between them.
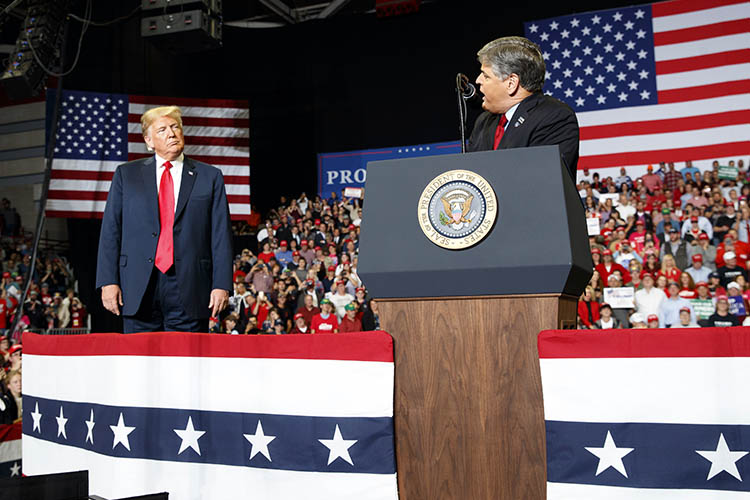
pixel 10 432
pixel 102 195
pixel 697 138
pixel 662 456
pixel 698 8
pixel 707 91
pixel 703 62
pixel 10 450
pixel 195 121
pixel 358 346
pixel 228 153
pixel 298 449
pixel 702 32
pixel 567 491
pixel 204 482
pixel 703 78
pixel 187 102
pixel 701 47
pixel 673 389
pixel 693 343
pixel 92 209
pixel 211 160
pixel 672 154
pixel 198 131
pixel 204 141
pixel 665 111
pixel 738 117
pixel 61 186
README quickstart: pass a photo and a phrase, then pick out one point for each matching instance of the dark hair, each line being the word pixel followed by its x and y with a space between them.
pixel 515 54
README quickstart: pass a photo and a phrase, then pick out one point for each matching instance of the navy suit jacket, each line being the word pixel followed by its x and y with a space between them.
pixel 539 120
pixel 202 234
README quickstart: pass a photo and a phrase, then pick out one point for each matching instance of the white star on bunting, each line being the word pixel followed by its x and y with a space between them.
pixel 339 447
pixel 723 460
pixel 121 433
pixel 259 442
pixel 189 437
pixel 37 419
pixel 90 428
pixel 610 456
pixel 61 421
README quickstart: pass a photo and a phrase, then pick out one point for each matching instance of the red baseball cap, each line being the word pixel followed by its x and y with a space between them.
pixel 703 236
pixel 722 297
pixel 607 251
pixel 331 268
pixel 317 222
pixel 6 274
pixel 303 242
pixel 283 243
pixel 701 283
pixel 295 254
pixel 596 250
pixel 697 258
pixel 298 316
pixel 652 317
pixel 685 309
pixel 17 347
pixel 693 219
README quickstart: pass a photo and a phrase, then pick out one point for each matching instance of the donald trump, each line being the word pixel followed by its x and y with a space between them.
pixel 165 252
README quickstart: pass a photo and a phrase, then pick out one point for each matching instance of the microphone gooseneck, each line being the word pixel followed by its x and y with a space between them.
pixel 465 90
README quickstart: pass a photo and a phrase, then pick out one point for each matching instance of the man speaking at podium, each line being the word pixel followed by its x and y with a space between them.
pixel 165 250
pixel 516 112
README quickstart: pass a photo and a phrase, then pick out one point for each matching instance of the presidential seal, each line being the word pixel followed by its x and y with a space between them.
pixel 457 209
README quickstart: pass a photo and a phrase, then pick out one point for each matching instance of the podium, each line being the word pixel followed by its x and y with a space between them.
pixel 468 412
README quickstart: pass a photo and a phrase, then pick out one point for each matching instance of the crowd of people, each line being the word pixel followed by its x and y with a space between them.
pixel 303 276
pixel 672 249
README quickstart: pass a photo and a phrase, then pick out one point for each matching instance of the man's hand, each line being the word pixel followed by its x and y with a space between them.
pixel 219 300
pixel 112 298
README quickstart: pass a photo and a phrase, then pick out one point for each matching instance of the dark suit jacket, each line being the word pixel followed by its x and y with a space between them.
pixel 539 120
pixel 202 234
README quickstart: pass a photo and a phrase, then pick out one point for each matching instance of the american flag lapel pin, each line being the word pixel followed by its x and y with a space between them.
pixel 519 121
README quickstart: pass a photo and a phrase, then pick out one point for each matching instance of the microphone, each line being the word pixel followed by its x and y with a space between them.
pixel 465 87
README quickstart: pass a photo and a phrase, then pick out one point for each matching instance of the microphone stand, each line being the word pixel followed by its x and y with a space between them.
pixel 464 92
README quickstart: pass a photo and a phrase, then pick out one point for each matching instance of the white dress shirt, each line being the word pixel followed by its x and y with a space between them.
pixel 175 171
pixel 509 114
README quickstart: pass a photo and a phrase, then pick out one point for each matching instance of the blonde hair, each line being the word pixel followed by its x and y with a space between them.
pixel 152 114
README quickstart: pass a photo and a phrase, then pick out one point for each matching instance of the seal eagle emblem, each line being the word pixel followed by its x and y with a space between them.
pixel 457 209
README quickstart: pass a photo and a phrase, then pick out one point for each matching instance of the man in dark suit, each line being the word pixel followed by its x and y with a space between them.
pixel 517 114
pixel 165 251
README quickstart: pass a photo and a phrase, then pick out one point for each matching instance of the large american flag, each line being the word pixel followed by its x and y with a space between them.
pixel 99 131
pixel 213 417
pixel 668 81
pixel 647 414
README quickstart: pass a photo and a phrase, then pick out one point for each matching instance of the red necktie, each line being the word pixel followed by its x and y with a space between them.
pixel 500 130
pixel 165 247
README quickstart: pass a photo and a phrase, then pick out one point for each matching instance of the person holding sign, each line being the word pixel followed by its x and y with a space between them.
pixel 722 316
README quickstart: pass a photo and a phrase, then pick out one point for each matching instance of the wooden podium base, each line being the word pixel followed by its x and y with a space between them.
pixel 468 407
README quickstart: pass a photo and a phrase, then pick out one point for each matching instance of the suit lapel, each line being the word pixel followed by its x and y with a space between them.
pixel 519 118
pixel 148 174
pixel 186 186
